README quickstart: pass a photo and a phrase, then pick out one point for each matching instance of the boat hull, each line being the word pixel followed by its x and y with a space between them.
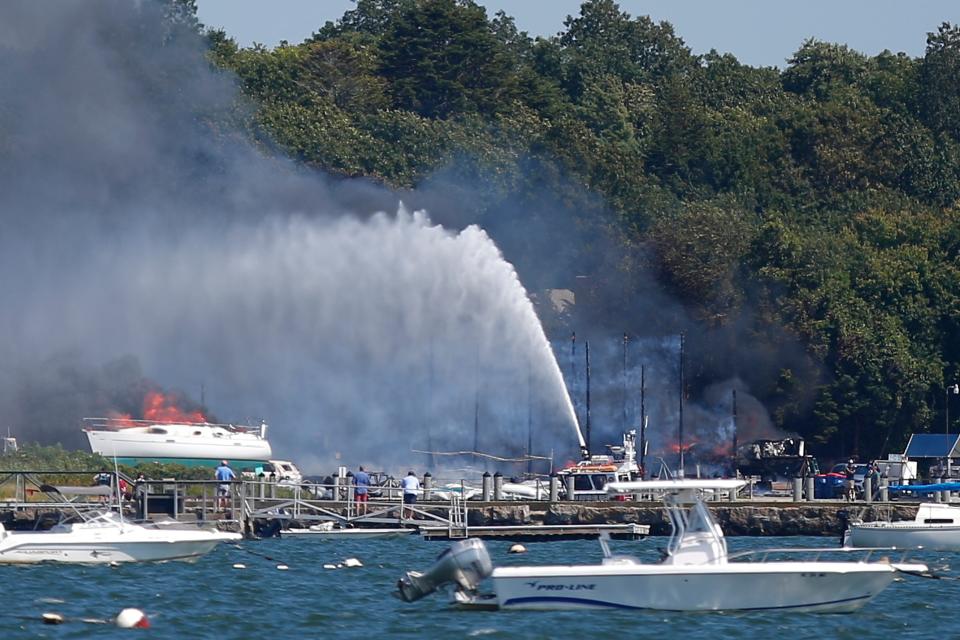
pixel 827 587
pixel 133 446
pixel 904 535
pixel 108 545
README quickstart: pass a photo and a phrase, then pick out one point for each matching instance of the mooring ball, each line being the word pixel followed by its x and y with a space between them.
pixel 518 548
pixel 132 618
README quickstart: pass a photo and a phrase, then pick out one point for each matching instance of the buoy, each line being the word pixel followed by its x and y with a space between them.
pixel 329 566
pixel 352 562
pixel 517 548
pixel 239 566
pixel 52 618
pixel 132 619
pixel 282 567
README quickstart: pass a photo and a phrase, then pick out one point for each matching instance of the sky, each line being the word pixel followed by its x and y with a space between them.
pixel 757 32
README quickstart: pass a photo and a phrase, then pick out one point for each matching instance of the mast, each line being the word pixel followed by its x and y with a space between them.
pixel 733 455
pixel 680 425
pixel 625 339
pixel 586 346
pixel 643 417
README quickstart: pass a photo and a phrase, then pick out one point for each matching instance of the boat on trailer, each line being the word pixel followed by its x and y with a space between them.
pixel 696 573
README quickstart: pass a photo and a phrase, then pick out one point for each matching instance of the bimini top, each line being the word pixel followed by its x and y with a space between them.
pixel 674 485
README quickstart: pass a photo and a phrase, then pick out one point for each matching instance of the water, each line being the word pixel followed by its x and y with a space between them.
pixel 210 599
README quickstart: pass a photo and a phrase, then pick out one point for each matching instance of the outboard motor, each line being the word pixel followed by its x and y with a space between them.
pixel 465 563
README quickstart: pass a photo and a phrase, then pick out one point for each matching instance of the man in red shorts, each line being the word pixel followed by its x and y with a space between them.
pixel 362 492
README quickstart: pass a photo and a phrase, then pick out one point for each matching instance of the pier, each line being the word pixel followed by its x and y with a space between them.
pixel 262 508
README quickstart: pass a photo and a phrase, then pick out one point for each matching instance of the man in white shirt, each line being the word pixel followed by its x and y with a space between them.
pixel 411 486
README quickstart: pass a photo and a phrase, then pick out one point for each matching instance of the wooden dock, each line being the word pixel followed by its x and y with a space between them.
pixel 535 532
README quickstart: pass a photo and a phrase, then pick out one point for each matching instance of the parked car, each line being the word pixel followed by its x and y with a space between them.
pixel 279 470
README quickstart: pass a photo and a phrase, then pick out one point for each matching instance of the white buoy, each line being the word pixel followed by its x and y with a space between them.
pixel 52 618
pixel 239 566
pixel 517 548
pixel 282 567
pixel 352 562
pixel 132 619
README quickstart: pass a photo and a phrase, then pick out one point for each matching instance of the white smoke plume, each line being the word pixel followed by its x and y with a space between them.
pixel 143 238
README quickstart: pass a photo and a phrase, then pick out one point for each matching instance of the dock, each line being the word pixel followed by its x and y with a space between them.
pixel 538 532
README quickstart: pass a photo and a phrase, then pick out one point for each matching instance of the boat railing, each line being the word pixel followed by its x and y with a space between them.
pixel 113 424
pixel 764 555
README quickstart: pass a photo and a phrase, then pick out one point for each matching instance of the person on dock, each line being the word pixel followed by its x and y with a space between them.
pixel 851 471
pixel 411 486
pixel 362 492
pixel 103 479
pixel 225 475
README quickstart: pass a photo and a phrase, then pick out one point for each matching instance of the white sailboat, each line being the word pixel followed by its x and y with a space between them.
pixel 191 443
pixel 697 573
pixel 936 527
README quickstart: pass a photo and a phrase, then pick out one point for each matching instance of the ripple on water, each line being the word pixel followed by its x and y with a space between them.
pixel 211 599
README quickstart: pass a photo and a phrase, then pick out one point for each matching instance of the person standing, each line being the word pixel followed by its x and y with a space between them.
pixel 411 486
pixel 225 476
pixel 851 471
pixel 104 479
pixel 362 492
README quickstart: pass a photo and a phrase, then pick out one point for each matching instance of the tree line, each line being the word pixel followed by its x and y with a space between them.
pixel 809 209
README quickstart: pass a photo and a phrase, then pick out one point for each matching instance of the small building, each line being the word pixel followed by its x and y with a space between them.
pixel 937 452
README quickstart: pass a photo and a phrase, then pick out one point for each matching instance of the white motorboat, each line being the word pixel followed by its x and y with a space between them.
pixel 106 538
pixel 696 574
pixel 936 527
pixel 191 443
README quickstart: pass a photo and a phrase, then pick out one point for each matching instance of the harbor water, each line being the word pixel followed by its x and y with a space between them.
pixel 212 599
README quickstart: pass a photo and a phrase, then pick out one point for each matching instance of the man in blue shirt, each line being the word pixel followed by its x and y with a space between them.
pixel 362 493
pixel 224 475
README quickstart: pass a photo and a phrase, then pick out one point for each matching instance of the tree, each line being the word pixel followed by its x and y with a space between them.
pixel 940 81
pixel 442 57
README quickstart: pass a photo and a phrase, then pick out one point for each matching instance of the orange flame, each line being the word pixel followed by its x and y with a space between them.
pixel 675 448
pixel 160 408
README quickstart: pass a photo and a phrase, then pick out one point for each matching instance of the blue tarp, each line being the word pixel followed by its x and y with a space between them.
pixel 943 486
pixel 933 445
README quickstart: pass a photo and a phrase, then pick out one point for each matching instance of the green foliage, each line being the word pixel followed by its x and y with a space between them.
pixel 820 198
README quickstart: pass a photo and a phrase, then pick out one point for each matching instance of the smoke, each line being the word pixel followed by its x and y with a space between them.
pixel 145 239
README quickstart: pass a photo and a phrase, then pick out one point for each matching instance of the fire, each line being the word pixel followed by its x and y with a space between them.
pixel 675 448
pixel 160 408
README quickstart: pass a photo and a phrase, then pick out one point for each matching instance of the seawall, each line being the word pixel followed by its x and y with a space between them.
pixel 736 519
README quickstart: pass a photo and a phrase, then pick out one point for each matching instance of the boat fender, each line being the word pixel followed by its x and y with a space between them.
pixel 132 619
